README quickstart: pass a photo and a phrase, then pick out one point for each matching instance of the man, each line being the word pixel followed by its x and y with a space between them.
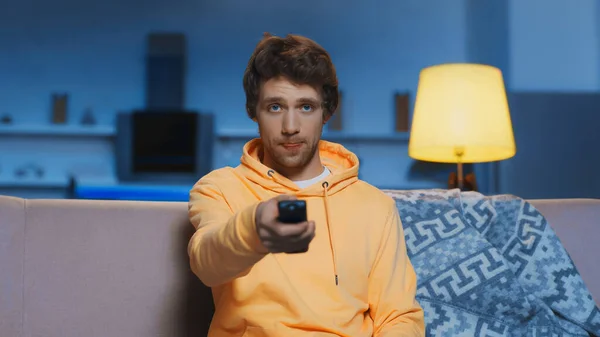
pixel 345 271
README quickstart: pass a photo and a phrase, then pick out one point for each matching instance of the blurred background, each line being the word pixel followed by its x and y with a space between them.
pixel 134 99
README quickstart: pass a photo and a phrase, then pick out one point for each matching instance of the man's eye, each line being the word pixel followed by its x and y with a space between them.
pixel 274 108
pixel 306 108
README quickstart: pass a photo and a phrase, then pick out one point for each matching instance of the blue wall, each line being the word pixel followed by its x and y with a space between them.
pixel 554 45
pixel 558 146
pixel 554 59
pixel 95 52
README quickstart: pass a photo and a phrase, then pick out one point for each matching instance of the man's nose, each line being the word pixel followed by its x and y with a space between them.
pixel 291 123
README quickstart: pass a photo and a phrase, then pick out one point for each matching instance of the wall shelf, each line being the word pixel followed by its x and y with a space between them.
pixel 335 136
pixel 57 130
pixel 224 134
pixel 93 150
pixel 33 183
pixel 382 137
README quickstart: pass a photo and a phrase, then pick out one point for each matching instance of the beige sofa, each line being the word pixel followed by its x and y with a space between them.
pixel 120 268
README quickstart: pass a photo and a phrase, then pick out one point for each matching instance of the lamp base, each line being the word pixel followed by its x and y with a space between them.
pixel 469 183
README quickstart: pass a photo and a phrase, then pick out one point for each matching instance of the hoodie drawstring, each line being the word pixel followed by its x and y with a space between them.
pixel 330 229
pixel 325 185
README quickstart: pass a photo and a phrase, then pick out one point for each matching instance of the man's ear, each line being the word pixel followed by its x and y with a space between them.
pixel 326 118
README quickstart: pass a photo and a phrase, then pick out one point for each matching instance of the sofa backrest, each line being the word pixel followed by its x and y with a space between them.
pixel 98 268
pixel 120 268
pixel 577 224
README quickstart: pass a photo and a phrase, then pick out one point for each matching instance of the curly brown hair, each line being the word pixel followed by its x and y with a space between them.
pixel 297 58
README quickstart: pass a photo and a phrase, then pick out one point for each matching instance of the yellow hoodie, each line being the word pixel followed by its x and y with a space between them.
pixel 355 280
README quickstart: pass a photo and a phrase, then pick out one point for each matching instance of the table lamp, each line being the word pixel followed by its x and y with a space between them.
pixel 461 116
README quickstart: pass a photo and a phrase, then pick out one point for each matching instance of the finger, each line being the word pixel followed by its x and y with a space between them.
pixel 310 232
pixel 289 248
pixel 283 232
pixel 289 231
pixel 305 236
pixel 276 246
pixel 283 197
pixel 270 210
pixel 297 247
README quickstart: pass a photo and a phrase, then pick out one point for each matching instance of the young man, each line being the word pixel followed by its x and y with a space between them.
pixel 345 271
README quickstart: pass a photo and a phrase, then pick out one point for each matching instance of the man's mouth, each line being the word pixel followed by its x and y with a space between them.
pixel 291 145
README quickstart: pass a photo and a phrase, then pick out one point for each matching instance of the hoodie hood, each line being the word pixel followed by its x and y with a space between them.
pixel 342 163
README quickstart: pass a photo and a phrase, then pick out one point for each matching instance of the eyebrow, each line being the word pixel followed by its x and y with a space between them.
pixel 272 99
pixel 306 100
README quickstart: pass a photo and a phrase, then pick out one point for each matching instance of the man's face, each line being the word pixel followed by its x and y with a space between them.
pixel 290 122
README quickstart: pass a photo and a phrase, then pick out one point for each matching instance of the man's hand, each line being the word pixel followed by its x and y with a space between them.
pixel 280 237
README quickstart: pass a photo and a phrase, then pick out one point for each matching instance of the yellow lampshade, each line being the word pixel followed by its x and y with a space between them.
pixel 461 110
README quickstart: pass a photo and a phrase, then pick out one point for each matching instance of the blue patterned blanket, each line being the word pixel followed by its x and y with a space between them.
pixel 492 266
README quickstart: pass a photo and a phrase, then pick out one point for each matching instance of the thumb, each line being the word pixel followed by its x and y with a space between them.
pixel 283 197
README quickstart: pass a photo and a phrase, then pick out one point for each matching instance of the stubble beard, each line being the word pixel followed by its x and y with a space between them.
pixel 294 161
